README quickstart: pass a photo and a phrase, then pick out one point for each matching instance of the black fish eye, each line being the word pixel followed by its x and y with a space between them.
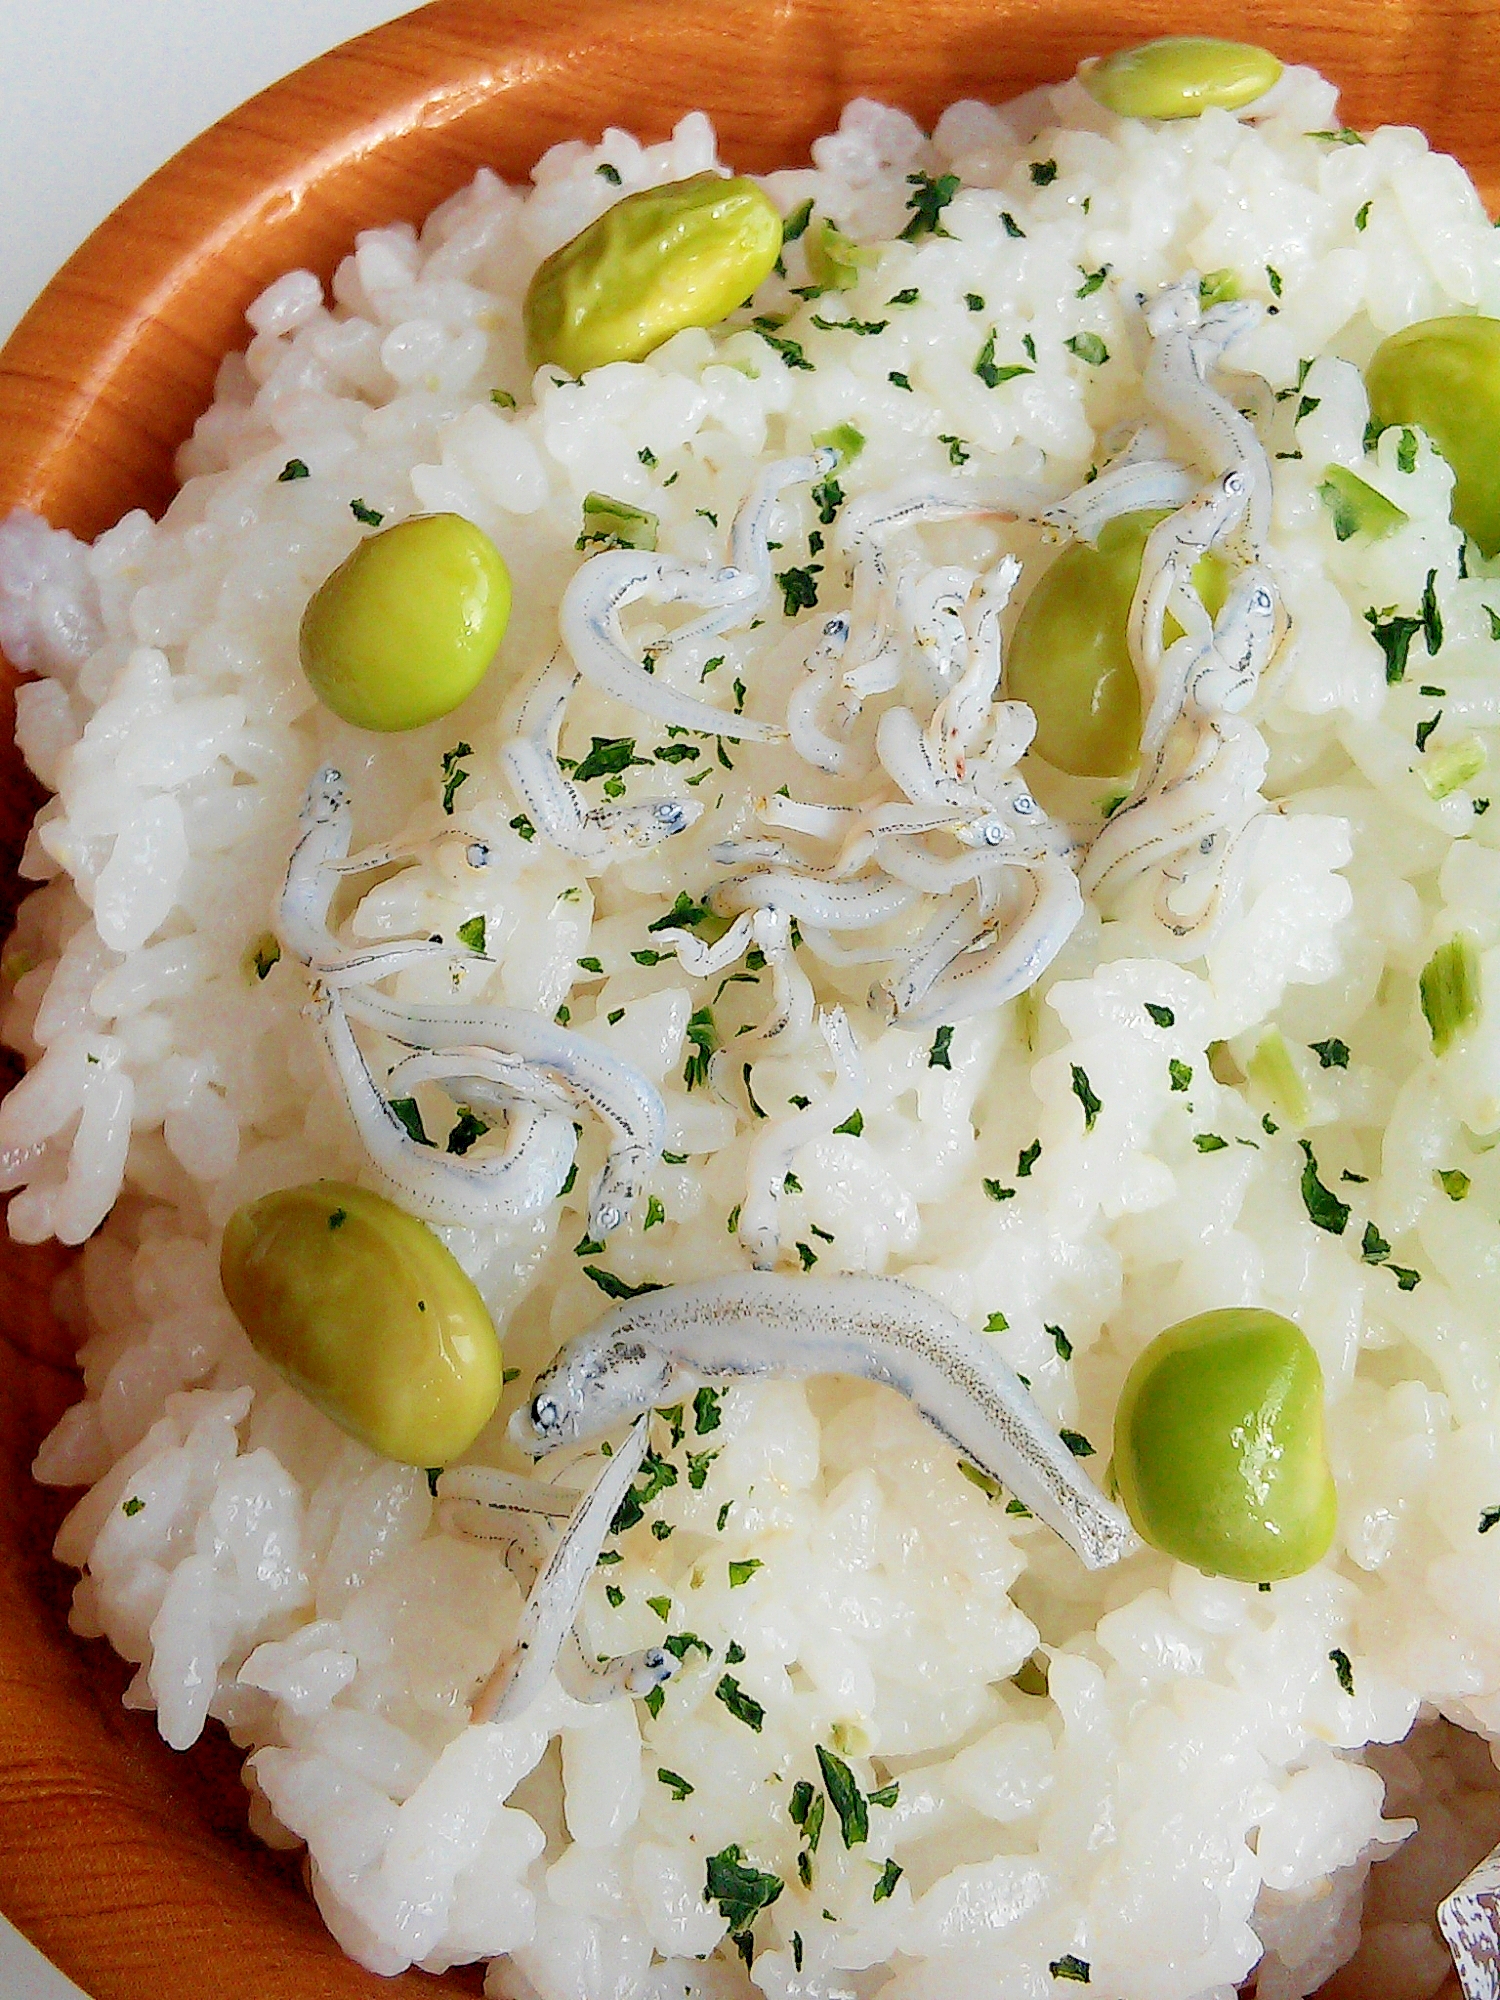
pixel 545 1414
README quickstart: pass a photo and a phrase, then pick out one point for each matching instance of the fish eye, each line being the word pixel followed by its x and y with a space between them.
pixel 1025 804
pixel 546 1414
pixel 477 854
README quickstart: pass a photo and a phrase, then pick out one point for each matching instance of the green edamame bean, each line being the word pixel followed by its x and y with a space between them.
pixel 1219 1455
pixel 1069 661
pixel 406 626
pixel 367 1312
pixel 1181 76
pixel 1444 374
pixel 658 261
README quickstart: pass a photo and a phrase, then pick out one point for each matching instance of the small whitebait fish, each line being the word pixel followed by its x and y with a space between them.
pixel 778 1140
pixel 479 1077
pixel 1174 384
pixel 553 804
pixel 312 880
pixel 972 968
pixel 1222 680
pixel 832 906
pixel 933 605
pixel 749 546
pixel 589 620
pixel 654 1350
pixel 1195 806
pixel 960 717
pixel 1128 486
pixel 588 1074
pixel 446 1187
pixel 834 754
pixel 936 499
pixel 487 1486
pixel 1172 550
pixel 551 1610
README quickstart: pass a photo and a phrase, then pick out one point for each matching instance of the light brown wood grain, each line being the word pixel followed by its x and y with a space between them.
pixel 128 1865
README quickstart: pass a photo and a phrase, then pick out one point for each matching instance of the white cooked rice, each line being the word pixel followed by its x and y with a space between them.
pixel 1194 1789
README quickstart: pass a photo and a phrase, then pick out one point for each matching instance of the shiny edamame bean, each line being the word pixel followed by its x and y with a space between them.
pixel 1181 76
pixel 1068 660
pixel 1444 374
pixel 367 1312
pixel 406 626
pixel 1218 1452
pixel 658 261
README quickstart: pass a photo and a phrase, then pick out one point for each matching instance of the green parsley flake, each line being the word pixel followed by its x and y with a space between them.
pixel 471 933
pixel 740 1891
pixel 998 1193
pixel 655 1213
pixel 1043 173
pixel 453 776
pixel 1061 1342
pixel 1070 1967
pixel 927 204
pixel 1027 1158
pixel 1077 1443
pixel 295 468
pixel 1181 1074
pixel 890 1875
pixel 997 1323
pixel 1162 1016
pixel 1490 1518
pixel 799 589
pixel 991 375
pixel 1342 1668
pixel 410 1116
pixel 958 451
pixel 1083 1091
pixel 853 1125
pixel 133 1506
pixel 743 1707
pixel 678 1787
pixel 1453 1181
pixel 467 1127
pixel 844 1795
pixel 617 1288
pixel 937 1055
pixel 741 1572
pixel 1088 347
pixel 367 515
pixel 1324 1209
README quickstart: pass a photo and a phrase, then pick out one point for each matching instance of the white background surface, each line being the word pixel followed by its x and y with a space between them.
pixel 94 95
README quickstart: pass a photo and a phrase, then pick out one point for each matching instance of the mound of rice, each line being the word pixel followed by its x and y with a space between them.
pixel 1191 1796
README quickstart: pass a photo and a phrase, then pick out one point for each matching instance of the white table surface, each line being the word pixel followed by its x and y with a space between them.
pixel 96 94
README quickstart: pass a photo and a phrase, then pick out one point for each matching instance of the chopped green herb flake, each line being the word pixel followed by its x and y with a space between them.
pixel 1043 173
pixel 655 1213
pixel 987 371
pixel 789 350
pixel 614 1595
pixel 799 589
pixel 898 379
pixel 1425 729
pixel 1324 1209
pixel 1432 618
pixel 1362 214
pixel 1077 1443
pixel 1453 1181
pixel 1273 279
pixel 367 515
pixel 678 1787
pixel 997 1323
pixel 662 1606
pixel 1393 635
pixel 295 468
pixel 1342 1669
pixel 410 1117
pixel 853 1125
pixel 1010 224
pixel 1027 1158
pixel 1181 1074
pixel 890 1875
pixel 704 1037
pixel 453 777
pixel 1162 1016
pixel 1088 347
pixel 1083 1091
pixel 1061 1342
pixel 655 1702
pixel 133 1506
pixel 998 1193
pixel 467 1127
pixel 1490 1518
pixel 740 1891
pixel 1332 1054
pixel 617 1288
pixel 847 1800
pixel 522 825
pixel 937 1055
pixel 927 204
pixel 1070 1967
pixel 743 1707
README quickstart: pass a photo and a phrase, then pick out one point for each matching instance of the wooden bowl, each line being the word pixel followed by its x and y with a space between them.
pixel 129 1865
